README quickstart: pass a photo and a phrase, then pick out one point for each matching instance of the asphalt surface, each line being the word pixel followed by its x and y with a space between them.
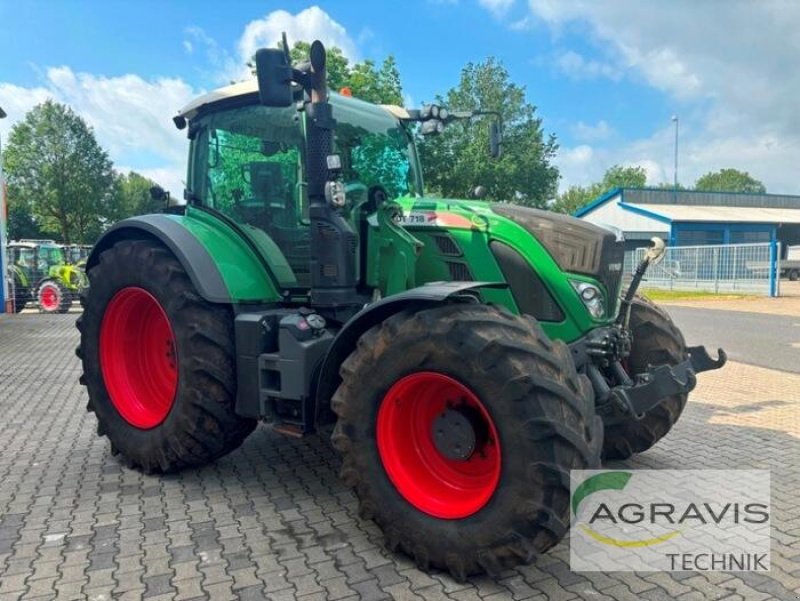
pixel 771 341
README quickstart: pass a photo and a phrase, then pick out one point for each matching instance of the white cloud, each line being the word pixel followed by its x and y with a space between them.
pixel 497 7
pixel 308 25
pixel 577 67
pixel 131 116
pixel 732 66
pixel 591 133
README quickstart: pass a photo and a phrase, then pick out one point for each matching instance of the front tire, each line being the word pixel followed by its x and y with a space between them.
pixel 491 500
pixel 53 297
pixel 159 361
pixel 656 341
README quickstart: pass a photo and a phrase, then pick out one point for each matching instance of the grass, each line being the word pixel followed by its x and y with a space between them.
pixel 668 295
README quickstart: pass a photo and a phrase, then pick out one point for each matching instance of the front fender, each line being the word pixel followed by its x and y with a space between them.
pixel 418 298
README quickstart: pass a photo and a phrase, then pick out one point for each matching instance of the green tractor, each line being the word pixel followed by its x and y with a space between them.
pixel 40 273
pixel 78 254
pixel 467 355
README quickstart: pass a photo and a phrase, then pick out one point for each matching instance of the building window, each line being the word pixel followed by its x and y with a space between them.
pixel 749 237
pixel 699 237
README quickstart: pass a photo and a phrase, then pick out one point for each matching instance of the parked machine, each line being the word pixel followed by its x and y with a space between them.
pixel 39 273
pixel 468 354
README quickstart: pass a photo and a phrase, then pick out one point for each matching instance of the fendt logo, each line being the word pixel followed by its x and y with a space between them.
pixel 671 519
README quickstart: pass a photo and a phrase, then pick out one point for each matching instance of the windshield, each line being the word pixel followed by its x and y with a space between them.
pixel 375 149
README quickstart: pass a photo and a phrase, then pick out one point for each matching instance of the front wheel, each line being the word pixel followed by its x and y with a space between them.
pixel 158 361
pixel 459 426
pixel 656 341
pixel 794 275
pixel 53 297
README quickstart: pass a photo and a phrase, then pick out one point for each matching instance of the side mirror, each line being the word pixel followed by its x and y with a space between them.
pixel 655 254
pixel 158 193
pixel 274 75
pixel 495 140
pixel 479 192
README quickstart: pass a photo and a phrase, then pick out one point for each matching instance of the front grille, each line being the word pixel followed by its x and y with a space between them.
pixel 527 288
pixel 611 272
pixel 576 246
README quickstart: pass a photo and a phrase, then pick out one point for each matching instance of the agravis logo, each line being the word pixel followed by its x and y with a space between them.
pixel 670 519
pixel 610 481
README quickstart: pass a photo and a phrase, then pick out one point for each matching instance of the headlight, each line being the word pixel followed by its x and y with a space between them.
pixel 591 296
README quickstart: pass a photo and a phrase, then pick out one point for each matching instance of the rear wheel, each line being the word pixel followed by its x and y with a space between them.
pixel 794 275
pixel 656 341
pixel 53 297
pixel 159 361
pixel 459 426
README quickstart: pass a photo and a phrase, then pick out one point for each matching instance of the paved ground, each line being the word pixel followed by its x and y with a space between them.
pixel 759 338
pixel 273 521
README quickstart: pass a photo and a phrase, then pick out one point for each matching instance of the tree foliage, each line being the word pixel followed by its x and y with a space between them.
pixel 457 160
pixel 56 169
pixel 729 180
pixel 131 197
pixel 365 80
pixel 61 183
pixel 617 176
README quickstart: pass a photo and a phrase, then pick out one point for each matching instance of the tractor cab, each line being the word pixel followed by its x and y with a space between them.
pixel 38 259
pixel 77 254
pixel 247 161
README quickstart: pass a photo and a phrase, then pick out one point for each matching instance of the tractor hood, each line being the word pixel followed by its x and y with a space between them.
pixel 575 245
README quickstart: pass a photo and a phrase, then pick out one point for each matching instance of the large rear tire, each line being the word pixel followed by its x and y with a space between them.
pixel 656 341
pixel 53 297
pixel 493 499
pixel 158 361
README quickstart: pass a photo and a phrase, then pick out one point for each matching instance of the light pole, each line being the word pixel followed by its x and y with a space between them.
pixel 4 300
pixel 675 177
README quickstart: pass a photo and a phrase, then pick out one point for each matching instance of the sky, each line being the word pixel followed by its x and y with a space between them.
pixel 606 77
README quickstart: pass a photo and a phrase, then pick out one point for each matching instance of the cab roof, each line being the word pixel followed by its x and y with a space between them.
pixel 249 87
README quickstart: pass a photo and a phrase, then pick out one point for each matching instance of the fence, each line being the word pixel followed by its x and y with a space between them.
pixel 731 268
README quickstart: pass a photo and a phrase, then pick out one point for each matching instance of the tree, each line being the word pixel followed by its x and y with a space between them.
pixel 56 169
pixel 729 180
pixel 131 197
pixel 457 160
pixel 617 176
pixel 365 80
pixel 21 223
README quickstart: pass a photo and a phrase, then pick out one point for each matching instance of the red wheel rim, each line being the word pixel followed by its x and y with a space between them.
pixel 138 357
pixel 432 482
pixel 48 297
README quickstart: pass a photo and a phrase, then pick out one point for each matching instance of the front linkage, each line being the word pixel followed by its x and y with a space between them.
pixel 603 355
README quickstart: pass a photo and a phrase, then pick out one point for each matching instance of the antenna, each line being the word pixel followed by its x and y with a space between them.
pixel 286 48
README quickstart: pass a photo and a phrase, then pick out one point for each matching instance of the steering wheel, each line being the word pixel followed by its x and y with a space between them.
pixel 355 188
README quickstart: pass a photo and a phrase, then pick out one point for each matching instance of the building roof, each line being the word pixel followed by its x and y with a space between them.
pixel 720 213
pixel 691 205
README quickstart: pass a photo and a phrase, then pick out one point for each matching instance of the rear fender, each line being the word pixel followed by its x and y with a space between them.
pixel 221 266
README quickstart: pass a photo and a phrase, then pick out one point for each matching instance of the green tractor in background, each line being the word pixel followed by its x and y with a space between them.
pixel 78 254
pixel 39 273
pixel 468 355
